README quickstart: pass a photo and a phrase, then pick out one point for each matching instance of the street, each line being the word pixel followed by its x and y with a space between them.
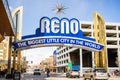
pixel 43 76
pixel 53 76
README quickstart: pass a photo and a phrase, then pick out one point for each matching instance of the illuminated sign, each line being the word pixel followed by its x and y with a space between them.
pixel 57 31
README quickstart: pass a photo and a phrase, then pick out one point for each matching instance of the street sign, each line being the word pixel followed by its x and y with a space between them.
pixel 70 64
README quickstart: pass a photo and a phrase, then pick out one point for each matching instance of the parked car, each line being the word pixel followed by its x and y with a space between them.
pixel 100 73
pixel 37 72
pixel 88 74
pixel 73 73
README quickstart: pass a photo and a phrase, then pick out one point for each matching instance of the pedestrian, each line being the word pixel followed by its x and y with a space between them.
pixel 115 72
pixel 48 72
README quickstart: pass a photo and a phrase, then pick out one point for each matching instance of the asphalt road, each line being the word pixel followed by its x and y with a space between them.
pixel 53 76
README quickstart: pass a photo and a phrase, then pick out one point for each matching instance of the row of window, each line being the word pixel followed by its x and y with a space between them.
pixel 60 47
pixel 62 62
pixel 110 34
pixel 63 50
pixel 108 27
pixel 63 56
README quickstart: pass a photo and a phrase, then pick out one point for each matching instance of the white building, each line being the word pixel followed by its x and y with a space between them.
pixel 85 58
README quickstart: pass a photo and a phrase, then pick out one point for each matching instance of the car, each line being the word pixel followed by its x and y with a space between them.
pixel 100 73
pixel 37 72
pixel 88 74
pixel 73 73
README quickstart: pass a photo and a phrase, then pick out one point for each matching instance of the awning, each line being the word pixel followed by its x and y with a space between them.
pixel 6 23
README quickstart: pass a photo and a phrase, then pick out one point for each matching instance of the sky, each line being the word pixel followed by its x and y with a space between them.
pixel 34 10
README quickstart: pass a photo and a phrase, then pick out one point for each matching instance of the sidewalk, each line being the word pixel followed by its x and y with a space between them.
pixel 53 78
pixel 114 78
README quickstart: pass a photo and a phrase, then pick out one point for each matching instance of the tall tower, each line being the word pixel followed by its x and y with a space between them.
pixel 100 36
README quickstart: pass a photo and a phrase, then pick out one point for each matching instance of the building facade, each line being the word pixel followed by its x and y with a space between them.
pixel 85 58
pixel 7 28
pixel 4 53
pixel 11 29
pixel 47 63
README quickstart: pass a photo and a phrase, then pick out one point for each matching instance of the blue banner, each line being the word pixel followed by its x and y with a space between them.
pixel 90 45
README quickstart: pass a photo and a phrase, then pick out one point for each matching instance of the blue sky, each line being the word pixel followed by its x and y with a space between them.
pixel 80 9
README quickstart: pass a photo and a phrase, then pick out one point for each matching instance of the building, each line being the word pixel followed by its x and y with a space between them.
pixel 7 28
pixel 4 53
pixel 85 58
pixel 24 64
pixel 47 63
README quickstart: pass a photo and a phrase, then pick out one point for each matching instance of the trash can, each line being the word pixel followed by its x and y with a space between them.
pixel 16 76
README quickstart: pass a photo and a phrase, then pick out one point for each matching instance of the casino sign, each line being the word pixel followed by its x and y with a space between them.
pixel 58 32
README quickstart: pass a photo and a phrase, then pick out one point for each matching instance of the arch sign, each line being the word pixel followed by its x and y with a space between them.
pixel 55 31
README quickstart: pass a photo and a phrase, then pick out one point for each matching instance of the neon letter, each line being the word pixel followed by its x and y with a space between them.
pixel 55 25
pixel 45 25
pixel 74 26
